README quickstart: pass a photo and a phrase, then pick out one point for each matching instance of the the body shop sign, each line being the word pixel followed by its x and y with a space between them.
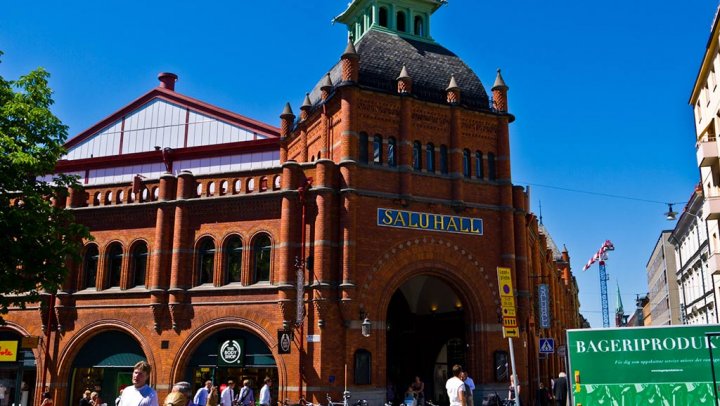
pixel 643 365
pixel 8 351
pixel 231 353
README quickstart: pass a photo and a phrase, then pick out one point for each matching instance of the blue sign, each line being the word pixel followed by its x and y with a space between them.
pixel 429 221
pixel 547 346
pixel 544 305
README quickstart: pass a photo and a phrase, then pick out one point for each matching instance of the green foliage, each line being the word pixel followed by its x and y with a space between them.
pixel 36 238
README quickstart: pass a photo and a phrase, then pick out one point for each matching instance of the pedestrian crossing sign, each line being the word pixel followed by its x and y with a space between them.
pixel 547 346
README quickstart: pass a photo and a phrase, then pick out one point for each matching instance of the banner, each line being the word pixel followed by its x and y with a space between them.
pixel 649 365
pixel 544 305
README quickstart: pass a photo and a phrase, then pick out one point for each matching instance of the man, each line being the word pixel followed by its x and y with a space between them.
pixel 456 387
pixel 139 393
pixel 265 392
pixel 561 390
pixel 228 394
pixel 468 388
pixel 201 396
pixel 85 400
pixel 247 397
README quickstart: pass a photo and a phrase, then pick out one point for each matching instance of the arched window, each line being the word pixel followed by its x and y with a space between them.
pixel 377 149
pixel 383 17
pixel 233 259
pixel 205 260
pixel 90 267
pixel 418 26
pixel 363 366
pixel 363 148
pixel 139 259
pixel 113 263
pixel 261 258
pixel 401 21
pixel 430 157
pixel 417 156
pixel 466 163
pixel 443 159
pixel 392 152
pixel 479 165
pixel 491 165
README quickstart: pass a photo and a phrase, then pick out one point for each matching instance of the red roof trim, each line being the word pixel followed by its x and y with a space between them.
pixel 185 101
pixel 206 151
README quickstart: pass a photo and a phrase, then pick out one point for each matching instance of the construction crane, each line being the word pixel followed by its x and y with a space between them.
pixel 600 257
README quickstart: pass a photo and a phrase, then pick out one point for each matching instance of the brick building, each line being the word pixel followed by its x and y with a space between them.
pixel 370 227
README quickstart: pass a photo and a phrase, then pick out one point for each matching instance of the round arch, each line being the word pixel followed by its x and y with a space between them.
pixel 30 372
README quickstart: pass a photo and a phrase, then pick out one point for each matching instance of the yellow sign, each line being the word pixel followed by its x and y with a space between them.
pixel 507 302
pixel 510 332
pixel 8 351
pixel 508 312
pixel 509 322
pixel 505 282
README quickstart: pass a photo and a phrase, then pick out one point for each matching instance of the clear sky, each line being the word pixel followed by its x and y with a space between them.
pixel 600 91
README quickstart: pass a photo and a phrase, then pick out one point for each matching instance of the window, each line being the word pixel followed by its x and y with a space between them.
pixel 392 152
pixel 377 150
pixel 113 266
pixel 363 148
pixel 90 266
pixel 418 27
pixel 261 256
pixel 479 165
pixel 430 157
pixel 466 163
pixel 139 260
pixel 363 366
pixel 383 17
pixel 417 157
pixel 206 261
pixel 233 259
pixel 443 160
pixel 401 21
pixel 491 165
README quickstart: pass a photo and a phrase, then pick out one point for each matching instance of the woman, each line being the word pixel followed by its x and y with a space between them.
pixel 418 388
pixel 47 399
pixel 513 390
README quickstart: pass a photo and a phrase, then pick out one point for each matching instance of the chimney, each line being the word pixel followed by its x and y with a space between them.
pixel 167 80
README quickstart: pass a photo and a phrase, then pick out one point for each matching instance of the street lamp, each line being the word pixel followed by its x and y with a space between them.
pixel 365 327
pixel 670 215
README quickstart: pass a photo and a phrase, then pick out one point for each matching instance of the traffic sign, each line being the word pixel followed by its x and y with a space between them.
pixel 509 322
pixel 547 346
pixel 508 311
pixel 510 332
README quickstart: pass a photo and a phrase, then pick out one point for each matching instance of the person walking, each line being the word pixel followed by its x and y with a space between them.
pixel 227 397
pixel 265 392
pixel 85 400
pixel 139 393
pixel 456 387
pixel 213 397
pixel 202 394
pixel 542 395
pixel 468 389
pixel 560 391
pixel 513 390
pixel 247 397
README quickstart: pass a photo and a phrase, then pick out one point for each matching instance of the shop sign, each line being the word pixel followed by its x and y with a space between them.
pixel 544 298
pixel 232 353
pixel 429 222
pixel 8 351
pixel 285 338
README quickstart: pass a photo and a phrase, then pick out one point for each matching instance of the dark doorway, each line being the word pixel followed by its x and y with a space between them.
pixel 425 337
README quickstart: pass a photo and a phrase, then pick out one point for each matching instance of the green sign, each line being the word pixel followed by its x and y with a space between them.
pixel 643 365
pixel 231 353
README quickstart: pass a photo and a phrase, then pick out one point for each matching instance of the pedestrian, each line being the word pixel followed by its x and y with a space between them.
pixel 186 389
pixel 85 400
pixel 247 397
pixel 265 392
pixel 202 394
pixel 418 388
pixel 47 399
pixel 561 390
pixel 95 399
pixel 468 390
pixel 117 399
pixel 139 393
pixel 227 397
pixel 213 398
pixel 542 395
pixel 513 390
pixel 456 387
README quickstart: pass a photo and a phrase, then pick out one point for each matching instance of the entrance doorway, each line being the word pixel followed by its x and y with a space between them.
pixel 17 371
pixel 426 330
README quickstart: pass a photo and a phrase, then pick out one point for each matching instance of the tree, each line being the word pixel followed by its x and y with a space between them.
pixel 37 238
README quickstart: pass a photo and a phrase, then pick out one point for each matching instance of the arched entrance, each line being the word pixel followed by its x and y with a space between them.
pixel 232 353
pixel 426 335
pixel 104 364
pixel 18 370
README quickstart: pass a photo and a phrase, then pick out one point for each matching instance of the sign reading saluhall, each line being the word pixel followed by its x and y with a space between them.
pixel 429 221
pixel 232 353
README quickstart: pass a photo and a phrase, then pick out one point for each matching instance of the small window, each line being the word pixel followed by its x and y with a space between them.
pixel 261 256
pixel 392 152
pixel 90 267
pixel 491 166
pixel 377 150
pixel 418 26
pixel 466 163
pixel 363 148
pixel 417 156
pixel 113 267
pixel 430 157
pixel 383 17
pixel 401 21
pixel 443 159
pixel 479 165
pixel 206 261
pixel 139 264
pixel 363 366
pixel 233 259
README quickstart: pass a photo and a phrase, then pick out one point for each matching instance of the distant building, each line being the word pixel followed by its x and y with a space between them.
pixel 621 319
pixel 662 282
pixel 641 317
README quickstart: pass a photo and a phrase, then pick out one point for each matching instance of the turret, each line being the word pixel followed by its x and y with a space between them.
pixel 305 108
pixel 350 64
pixel 326 87
pixel 453 91
pixel 499 91
pixel 404 82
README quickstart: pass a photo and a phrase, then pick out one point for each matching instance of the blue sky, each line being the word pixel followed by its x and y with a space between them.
pixel 599 89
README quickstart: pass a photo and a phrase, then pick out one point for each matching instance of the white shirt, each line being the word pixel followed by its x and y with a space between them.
pixel 454 386
pixel 226 397
pixel 265 395
pixel 132 396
